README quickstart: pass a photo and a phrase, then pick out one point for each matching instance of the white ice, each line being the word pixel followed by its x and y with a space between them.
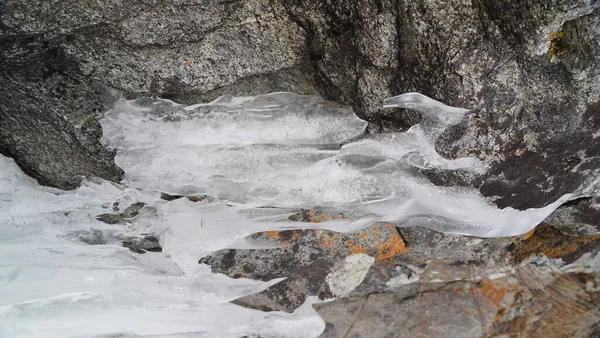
pixel 280 150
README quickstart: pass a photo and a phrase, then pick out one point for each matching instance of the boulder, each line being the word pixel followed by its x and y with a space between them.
pixel 385 281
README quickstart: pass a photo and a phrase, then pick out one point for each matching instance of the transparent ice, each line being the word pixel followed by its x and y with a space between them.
pixel 64 274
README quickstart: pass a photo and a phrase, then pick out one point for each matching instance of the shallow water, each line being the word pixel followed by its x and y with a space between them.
pixel 280 150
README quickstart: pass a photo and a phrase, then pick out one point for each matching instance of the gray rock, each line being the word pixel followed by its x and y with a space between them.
pixel 420 282
pixel 142 244
pixel 308 259
pixel 48 115
pixel 484 308
pixel 137 244
pixel 528 71
pixel 193 198
pixel 127 214
pixel 62 65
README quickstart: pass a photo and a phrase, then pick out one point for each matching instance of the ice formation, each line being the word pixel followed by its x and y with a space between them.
pixel 63 273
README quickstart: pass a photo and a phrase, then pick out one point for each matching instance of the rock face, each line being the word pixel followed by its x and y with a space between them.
pixel 528 70
pixel 316 263
pixel 62 64
pixel 415 282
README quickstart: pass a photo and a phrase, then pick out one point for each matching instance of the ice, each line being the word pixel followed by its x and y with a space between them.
pixel 63 273
pixel 416 145
pixel 231 150
pixel 54 284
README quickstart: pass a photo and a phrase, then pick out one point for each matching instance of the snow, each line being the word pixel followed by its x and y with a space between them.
pixel 279 150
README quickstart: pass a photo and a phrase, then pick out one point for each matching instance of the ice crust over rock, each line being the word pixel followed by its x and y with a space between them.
pixel 261 158
pixel 281 150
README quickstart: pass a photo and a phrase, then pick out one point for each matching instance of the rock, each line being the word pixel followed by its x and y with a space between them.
pixel 561 306
pixel 63 67
pixel 549 241
pixel 48 115
pixel 528 71
pixel 577 218
pixel 192 198
pixel 311 260
pixel 127 214
pixel 485 291
pixel 142 244
pixel 413 281
pixel 135 244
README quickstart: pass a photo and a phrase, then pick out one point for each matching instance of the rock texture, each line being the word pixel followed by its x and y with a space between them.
pixel 528 70
pixel 63 63
pixel 310 260
pixel 421 283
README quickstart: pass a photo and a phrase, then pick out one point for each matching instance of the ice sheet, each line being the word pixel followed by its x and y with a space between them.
pixel 282 151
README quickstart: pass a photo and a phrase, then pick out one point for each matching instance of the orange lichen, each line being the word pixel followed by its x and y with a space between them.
pixel 390 248
pixel 382 251
pixel 492 291
pixel 274 234
pixel 328 240
pixel 358 249
pixel 549 241
pixel 188 63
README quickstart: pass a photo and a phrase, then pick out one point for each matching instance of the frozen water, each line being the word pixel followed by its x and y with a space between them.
pixel 280 150
pixel 53 284
pixel 64 274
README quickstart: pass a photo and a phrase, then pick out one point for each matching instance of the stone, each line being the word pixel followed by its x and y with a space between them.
pixel 127 214
pixel 513 306
pixel 192 198
pixel 421 282
pixel 62 67
pixel 311 261
pixel 142 244
pixel 535 287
